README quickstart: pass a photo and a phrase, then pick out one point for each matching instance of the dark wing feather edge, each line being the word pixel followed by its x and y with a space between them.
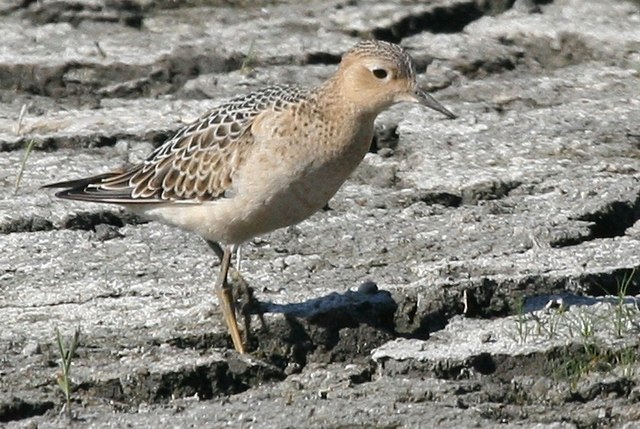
pixel 163 176
pixel 89 189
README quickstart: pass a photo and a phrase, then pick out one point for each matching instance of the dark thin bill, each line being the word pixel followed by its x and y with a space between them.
pixel 427 100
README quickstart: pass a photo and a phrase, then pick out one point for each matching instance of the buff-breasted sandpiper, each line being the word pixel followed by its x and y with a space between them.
pixel 263 161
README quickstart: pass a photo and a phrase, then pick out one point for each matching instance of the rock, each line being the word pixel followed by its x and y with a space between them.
pixel 31 348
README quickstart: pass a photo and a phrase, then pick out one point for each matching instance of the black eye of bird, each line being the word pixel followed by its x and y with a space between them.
pixel 380 73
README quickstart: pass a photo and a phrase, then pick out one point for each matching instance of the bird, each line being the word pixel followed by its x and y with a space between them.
pixel 262 161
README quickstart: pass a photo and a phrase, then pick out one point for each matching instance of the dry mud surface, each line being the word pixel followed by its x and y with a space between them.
pixel 471 273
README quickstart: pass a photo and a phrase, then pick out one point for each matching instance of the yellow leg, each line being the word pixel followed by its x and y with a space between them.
pixel 225 297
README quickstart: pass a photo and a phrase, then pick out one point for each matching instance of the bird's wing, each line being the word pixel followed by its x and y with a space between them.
pixel 197 164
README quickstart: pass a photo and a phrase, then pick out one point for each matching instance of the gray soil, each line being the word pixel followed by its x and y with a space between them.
pixel 473 272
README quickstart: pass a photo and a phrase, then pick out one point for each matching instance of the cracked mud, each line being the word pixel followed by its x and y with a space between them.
pixel 474 272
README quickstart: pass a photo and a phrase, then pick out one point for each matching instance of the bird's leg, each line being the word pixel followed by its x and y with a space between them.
pixel 225 296
pixel 243 292
pixel 249 305
pixel 238 249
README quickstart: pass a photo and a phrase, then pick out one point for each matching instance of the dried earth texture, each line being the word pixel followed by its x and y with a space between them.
pixel 472 272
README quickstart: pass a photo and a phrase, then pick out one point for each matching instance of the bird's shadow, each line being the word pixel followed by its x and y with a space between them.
pixel 341 310
pixel 336 322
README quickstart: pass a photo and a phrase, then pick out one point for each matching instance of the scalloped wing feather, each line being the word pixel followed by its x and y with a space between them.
pixel 197 164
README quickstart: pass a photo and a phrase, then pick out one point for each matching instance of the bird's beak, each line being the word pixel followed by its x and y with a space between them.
pixel 421 96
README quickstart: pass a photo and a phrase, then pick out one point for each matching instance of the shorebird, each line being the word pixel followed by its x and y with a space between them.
pixel 262 161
